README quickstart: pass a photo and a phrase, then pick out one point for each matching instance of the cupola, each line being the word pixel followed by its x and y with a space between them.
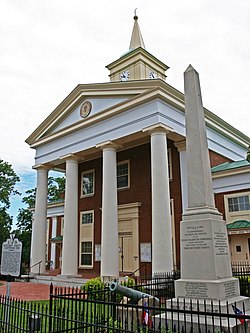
pixel 137 63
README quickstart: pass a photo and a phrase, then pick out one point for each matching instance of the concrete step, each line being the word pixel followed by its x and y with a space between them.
pixel 60 281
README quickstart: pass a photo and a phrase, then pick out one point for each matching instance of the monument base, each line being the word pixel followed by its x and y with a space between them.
pixel 219 289
pixel 204 315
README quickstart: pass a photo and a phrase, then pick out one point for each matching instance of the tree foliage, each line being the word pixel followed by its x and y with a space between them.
pixel 56 188
pixel 8 180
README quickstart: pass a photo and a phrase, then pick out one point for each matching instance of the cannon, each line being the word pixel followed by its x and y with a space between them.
pixel 132 294
pixel 133 315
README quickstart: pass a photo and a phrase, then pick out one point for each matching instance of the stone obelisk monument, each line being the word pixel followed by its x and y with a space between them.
pixel 205 259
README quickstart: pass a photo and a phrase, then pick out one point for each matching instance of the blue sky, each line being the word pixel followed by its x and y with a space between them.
pixel 27 181
pixel 49 47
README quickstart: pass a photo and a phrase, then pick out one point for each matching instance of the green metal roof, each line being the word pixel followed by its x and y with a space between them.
pixel 57 239
pixel 238 224
pixel 230 165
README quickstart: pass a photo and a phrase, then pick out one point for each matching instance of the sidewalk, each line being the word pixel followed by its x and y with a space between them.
pixel 27 291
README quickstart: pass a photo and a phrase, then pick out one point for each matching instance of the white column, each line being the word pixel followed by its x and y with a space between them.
pixel 70 233
pixel 109 245
pixel 38 243
pixel 183 169
pixel 162 260
pixel 53 245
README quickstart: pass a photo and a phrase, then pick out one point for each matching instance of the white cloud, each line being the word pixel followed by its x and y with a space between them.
pixel 48 47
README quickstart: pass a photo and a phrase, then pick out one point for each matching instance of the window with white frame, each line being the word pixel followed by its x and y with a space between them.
pixel 123 175
pixel 87 217
pixel 237 204
pixel 88 183
pixel 86 239
pixel 86 254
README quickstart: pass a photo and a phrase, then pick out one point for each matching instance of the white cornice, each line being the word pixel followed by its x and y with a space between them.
pixel 110 112
pixel 141 92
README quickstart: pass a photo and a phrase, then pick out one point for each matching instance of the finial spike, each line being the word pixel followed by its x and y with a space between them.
pixel 136 38
pixel 135 17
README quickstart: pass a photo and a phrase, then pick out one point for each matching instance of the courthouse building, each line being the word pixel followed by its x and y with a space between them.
pixel 121 145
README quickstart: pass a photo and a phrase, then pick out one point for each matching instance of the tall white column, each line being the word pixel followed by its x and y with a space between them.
pixel 53 245
pixel 70 233
pixel 162 252
pixel 109 245
pixel 183 169
pixel 38 242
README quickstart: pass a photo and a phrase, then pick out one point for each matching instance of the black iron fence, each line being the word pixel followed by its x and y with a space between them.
pixel 84 311
pixel 22 316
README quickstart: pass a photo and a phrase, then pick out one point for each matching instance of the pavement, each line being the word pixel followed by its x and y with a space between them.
pixel 27 291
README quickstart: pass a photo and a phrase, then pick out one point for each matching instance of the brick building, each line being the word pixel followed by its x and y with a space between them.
pixel 121 145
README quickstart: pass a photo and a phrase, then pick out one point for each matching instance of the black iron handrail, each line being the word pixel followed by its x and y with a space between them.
pixel 39 271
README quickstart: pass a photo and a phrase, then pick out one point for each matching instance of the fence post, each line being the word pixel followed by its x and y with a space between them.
pixel 50 307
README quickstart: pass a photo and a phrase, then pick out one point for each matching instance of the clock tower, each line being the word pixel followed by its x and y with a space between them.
pixel 137 63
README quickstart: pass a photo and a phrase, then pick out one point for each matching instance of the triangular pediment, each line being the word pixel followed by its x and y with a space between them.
pixel 102 99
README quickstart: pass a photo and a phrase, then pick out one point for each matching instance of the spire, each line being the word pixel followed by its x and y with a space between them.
pixel 136 38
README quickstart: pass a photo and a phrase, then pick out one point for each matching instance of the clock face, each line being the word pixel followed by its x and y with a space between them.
pixel 152 75
pixel 124 76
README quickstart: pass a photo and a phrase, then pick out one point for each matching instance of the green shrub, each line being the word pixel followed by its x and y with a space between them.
pixel 95 288
pixel 128 282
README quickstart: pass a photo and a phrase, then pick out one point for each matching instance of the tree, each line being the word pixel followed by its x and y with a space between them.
pixel 56 188
pixel 8 180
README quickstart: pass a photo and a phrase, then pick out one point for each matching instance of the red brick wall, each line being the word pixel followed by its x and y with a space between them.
pixel 139 191
pixel 175 194
pixel 216 159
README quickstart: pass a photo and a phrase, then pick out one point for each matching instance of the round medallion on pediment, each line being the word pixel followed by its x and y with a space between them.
pixel 85 109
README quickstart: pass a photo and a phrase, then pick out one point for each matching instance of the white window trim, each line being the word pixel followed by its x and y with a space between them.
pixel 82 174
pixel 87 212
pixel 234 195
pixel 125 187
pixel 87 239
pixel 86 266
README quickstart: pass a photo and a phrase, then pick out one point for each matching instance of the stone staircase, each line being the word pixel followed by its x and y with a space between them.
pixel 59 280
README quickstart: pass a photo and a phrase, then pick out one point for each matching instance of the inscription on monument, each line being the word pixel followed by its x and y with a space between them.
pixel 220 244
pixel 196 238
pixel 11 257
pixel 196 290
pixel 230 289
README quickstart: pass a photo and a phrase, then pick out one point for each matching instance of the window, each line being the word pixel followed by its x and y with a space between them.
pixel 122 175
pixel 88 182
pixel 87 218
pixel 238 248
pixel 86 254
pixel 238 203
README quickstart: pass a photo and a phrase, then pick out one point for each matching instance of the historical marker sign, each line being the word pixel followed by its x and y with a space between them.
pixel 11 256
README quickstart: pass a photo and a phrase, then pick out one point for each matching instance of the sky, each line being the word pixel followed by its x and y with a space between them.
pixel 48 47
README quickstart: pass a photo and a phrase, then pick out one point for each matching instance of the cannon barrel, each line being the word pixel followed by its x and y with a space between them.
pixel 134 295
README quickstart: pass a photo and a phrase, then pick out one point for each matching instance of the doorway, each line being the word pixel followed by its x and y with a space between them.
pixel 128 233
pixel 125 253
